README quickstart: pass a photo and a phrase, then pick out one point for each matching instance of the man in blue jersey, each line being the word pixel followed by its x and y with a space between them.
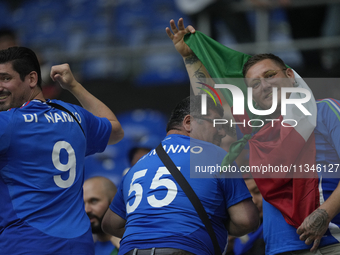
pixel 151 212
pixel 98 195
pixel 43 144
pixel 252 243
pixel 322 227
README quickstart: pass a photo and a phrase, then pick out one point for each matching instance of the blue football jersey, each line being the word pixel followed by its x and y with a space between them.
pixel 42 151
pixel 105 248
pixel 280 236
pixel 157 211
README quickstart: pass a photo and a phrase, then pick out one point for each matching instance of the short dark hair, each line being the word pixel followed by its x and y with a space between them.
pixel 190 105
pixel 259 57
pixel 23 61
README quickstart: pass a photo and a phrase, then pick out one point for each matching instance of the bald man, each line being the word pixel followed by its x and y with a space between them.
pixel 98 194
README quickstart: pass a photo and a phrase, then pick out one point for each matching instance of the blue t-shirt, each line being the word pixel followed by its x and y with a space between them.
pixel 282 237
pixel 105 248
pixel 157 211
pixel 42 151
pixel 251 243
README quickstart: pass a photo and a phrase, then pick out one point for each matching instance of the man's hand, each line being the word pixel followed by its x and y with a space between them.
pixel 63 75
pixel 313 228
pixel 177 36
pixel 196 70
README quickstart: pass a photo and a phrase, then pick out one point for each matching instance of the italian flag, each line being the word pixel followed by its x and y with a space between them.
pixel 294 193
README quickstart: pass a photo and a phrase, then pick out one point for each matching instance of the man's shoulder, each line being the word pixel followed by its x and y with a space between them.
pixel 10 118
pixel 206 146
pixel 328 108
pixel 328 103
pixel 68 106
pixel 76 110
pixel 5 115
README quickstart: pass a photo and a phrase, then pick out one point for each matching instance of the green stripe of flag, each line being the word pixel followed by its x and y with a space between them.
pixel 221 63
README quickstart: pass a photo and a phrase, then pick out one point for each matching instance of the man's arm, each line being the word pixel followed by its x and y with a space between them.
pixel 62 74
pixel 316 224
pixel 196 70
pixel 244 218
pixel 113 224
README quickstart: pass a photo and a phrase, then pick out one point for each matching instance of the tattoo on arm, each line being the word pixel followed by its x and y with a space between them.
pixel 191 60
pixel 317 220
pixel 199 75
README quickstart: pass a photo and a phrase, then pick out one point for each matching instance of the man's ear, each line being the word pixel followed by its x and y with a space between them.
pixel 33 79
pixel 187 123
pixel 290 74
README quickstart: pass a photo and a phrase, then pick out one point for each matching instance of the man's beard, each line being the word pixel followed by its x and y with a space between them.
pixel 96 227
pixel 3 107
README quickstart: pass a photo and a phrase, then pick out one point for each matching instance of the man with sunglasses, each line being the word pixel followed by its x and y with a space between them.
pixel 151 212
pixel 320 231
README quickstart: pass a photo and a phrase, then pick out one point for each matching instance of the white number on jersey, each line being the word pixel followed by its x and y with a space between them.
pixel 156 182
pixel 138 189
pixel 69 166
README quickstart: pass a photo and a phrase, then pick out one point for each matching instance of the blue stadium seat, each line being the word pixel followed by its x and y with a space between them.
pixel 140 122
pixel 162 68
pixel 37 23
pixel 5 15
